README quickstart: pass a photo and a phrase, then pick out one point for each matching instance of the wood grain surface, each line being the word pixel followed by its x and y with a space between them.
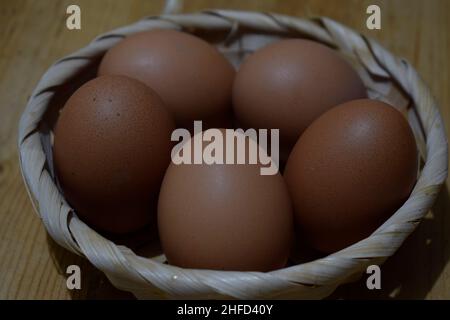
pixel 33 35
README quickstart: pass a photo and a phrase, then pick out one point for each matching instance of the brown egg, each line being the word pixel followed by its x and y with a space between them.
pixel 224 217
pixel 111 149
pixel 191 76
pixel 350 171
pixel 288 84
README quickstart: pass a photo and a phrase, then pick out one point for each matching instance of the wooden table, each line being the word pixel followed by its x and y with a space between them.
pixel 33 35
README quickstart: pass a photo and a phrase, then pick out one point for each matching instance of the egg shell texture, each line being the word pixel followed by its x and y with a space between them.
pixel 225 217
pixel 288 84
pixel 111 149
pixel 349 171
pixel 191 76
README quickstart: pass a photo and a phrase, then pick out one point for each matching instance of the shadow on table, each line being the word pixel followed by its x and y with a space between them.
pixel 414 269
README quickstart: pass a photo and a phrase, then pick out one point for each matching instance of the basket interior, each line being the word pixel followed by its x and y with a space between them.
pixel 235 45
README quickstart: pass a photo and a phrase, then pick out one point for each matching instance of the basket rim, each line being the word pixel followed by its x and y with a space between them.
pixel 349 259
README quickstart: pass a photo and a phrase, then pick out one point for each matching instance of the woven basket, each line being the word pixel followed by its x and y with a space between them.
pixel 235 34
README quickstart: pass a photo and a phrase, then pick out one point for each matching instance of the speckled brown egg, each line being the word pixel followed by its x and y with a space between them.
pixel 288 84
pixel 224 217
pixel 350 171
pixel 111 149
pixel 191 76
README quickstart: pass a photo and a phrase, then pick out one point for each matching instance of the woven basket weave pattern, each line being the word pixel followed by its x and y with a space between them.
pixel 386 77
